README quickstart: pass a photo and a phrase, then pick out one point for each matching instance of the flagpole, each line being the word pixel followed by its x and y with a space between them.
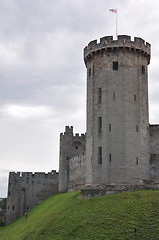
pixel 116 23
pixel 116 12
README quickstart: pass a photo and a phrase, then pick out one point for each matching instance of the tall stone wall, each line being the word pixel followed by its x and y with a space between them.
pixel 77 172
pixel 70 146
pixel 154 152
pixel 27 189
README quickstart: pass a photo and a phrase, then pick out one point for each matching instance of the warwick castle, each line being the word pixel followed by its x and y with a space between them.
pixel 120 150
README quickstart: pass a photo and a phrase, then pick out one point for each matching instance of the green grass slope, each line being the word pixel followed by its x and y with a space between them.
pixel 67 217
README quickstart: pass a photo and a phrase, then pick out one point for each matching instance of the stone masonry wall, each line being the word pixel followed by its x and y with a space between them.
pixel 154 152
pixel 77 172
pixel 27 189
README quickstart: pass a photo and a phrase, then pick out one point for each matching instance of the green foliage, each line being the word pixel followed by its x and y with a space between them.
pixel 69 217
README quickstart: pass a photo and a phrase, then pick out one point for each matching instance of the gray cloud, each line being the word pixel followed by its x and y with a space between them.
pixel 42 73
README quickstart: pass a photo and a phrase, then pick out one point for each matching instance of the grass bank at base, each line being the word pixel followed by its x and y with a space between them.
pixel 68 217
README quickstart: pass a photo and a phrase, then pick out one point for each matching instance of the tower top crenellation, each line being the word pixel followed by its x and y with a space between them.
pixel 122 41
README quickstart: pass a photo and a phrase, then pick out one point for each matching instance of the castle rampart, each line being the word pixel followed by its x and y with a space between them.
pixel 27 189
pixel 108 44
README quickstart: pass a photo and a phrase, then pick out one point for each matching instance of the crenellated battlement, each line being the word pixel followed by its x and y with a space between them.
pixel 32 175
pixel 69 132
pixel 123 41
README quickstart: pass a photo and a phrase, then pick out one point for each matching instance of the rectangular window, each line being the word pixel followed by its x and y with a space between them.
pixel 137 128
pixel 115 65
pixel 99 95
pixel 113 96
pixel 89 72
pixel 100 155
pixel 110 127
pixel 110 157
pixel 93 71
pixel 137 161
pixel 99 125
pixel 143 70
pixel 134 98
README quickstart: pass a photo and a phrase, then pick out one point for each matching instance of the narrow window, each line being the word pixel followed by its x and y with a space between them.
pixel 100 155
pixel 134 98
pixel 110 157
pixel 100 125
pixel 137 161
pixel 113 96
pixel 13 208
pixel 137 128
pixel 110 127
pixel 76 147
pixel 93 71
pixel 99 95
pixel 89 72
pixel 115 65
pixel 9 193
pixel 143 70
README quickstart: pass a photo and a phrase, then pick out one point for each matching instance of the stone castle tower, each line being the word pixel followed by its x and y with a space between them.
pixel 117 143
pixel 70 146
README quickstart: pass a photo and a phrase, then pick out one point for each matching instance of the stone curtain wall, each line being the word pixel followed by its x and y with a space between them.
pixel 154 152
pixel 27 189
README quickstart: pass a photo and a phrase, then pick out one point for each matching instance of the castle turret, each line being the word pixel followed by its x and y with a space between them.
pixel 117 143
pixel 70 146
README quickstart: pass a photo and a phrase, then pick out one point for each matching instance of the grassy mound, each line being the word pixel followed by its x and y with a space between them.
pixel 67 217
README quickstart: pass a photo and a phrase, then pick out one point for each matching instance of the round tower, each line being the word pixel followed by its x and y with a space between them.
pixel 117 144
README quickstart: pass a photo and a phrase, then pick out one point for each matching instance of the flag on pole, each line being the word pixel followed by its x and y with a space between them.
pixel 113 10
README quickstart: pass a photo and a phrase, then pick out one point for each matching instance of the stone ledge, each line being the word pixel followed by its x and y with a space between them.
pixel 101 190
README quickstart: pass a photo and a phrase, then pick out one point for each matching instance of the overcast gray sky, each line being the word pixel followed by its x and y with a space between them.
pixel 43 77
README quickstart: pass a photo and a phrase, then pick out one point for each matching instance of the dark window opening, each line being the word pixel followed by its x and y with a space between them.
pixel 143 69
pixel 9 184
pixel 100 125
pixel 137 128
pixel 93 71
pixel 110 127
pixel 67 158
pixel 27 208
pixel 99 95
pixel 9 193
pixel 114 96
pixel 89 72
pixel 100 155
pixel 76 147
pixel 137 161
pixel 135 98
pixel 110 157
pixel 13 208
pixel 115 65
